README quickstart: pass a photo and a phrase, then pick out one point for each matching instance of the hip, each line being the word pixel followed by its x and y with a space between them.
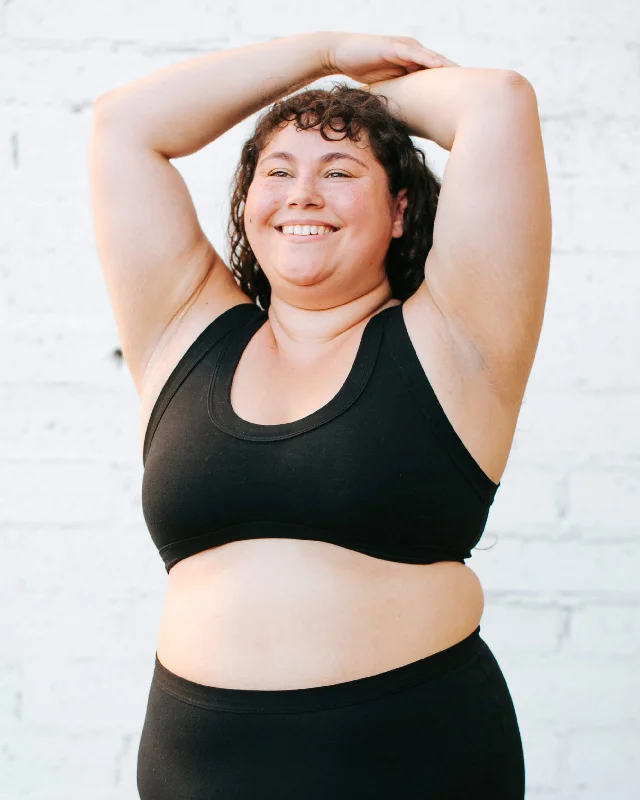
pixel 443 726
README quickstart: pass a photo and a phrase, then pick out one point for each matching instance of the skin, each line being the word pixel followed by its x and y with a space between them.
pixel 286 613
pixel 321 290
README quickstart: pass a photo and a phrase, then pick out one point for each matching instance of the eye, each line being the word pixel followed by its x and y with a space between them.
pixel 333 172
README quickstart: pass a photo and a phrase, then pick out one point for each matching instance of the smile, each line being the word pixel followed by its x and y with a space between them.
pixel 306 237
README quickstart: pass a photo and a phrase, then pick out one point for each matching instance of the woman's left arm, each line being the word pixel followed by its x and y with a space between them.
pixel 488 267
pixel 432 102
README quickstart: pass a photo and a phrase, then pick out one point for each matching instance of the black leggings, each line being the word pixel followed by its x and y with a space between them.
pixel 442 728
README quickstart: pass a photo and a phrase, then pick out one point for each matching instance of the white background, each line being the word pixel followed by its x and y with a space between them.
pixel 82 584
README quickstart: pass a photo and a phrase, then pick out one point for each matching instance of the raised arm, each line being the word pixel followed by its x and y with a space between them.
pixel 488 268
pixel 152 249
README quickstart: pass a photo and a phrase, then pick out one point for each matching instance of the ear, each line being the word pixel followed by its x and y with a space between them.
pixel 398 216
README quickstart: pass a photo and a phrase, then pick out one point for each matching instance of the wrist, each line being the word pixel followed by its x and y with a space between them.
pixel 327 42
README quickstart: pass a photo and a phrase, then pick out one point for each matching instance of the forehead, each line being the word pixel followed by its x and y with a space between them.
pixel 309 143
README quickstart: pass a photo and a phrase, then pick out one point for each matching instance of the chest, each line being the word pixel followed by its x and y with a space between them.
pixel 267 391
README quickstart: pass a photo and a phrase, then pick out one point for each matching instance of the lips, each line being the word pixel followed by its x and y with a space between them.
pixel 312 222
pixel 314 225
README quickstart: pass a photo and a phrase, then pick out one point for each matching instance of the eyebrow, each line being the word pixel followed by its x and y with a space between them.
pixel 326 158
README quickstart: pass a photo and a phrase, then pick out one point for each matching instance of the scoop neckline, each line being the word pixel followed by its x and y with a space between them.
pixel 221 411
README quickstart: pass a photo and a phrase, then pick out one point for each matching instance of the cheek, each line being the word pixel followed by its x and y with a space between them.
pixel 356 205
pixel 261 198
pixel 354 194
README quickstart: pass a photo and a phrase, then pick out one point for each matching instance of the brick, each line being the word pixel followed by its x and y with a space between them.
pixel 107 693
pixel 54 288
pixel 581 231
pixel 48 762
pixel 99 567
pixel 585 224
pixel 83 585
pixel 604 502
pixel 566 429
pixel 73 422
pixel 605 630
pixel 535 18
pixel 614 773
pixel 55 493
pixel 73 77
pixel 517 628
pixel 53 348
pixel 588 88
pixel 608 145
pixel 589 304
pixel 11 689
pixel 526 503
pixel 543 754
pixel 50 160
pixel 567 693
pixel 59 218
pixel 94 628
pixel 127 20
pixel 559 566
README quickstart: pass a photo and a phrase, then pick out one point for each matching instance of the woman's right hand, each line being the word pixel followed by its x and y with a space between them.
pixel 368 58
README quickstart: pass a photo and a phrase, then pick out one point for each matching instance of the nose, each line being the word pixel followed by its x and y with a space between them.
pixel 304 192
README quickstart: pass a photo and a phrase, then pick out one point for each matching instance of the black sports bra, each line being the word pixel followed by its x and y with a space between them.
pixel 378 469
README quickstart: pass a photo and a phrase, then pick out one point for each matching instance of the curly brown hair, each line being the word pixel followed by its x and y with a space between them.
pixel 350 110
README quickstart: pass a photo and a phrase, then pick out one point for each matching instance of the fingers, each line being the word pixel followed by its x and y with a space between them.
pixel 416 53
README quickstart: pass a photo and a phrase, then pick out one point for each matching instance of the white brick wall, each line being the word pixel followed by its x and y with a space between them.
pixel 82 584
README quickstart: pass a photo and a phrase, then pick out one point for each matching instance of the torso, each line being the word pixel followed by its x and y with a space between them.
pixel 283 613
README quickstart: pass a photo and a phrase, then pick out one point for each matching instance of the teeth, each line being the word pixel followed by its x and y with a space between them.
pixel 306 230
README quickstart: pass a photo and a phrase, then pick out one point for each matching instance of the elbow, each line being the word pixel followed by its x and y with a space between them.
pixel 103 106
pixel 515 80
pixel 100 101
pixel 99 108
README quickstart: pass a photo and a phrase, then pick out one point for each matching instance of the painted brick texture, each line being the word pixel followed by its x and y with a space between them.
pixel 82 583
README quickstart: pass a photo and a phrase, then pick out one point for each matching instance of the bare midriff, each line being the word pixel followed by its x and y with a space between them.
pixel 273 614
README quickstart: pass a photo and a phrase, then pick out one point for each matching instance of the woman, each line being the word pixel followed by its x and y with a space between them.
pixel 314 494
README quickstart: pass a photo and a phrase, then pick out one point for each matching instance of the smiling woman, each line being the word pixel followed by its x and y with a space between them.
pixel 310 189
pixel 321 445
pixel 375 168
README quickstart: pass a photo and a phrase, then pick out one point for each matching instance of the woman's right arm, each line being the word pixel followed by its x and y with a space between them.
pixel 152 249
pixel 180 109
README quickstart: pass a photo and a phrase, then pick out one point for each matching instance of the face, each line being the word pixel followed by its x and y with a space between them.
pixel 348 191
